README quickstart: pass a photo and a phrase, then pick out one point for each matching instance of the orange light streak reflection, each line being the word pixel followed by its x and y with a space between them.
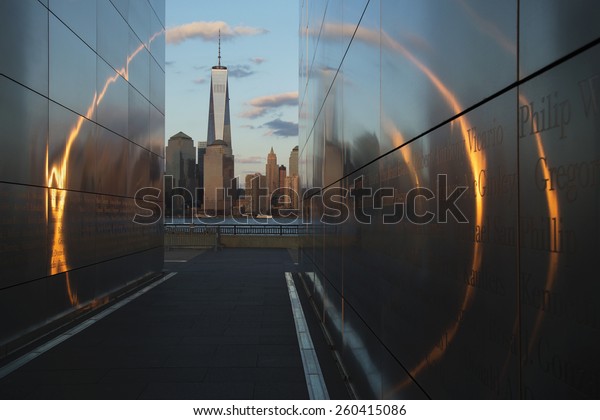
pixel 57 177
pixel 477 163
pixel 398 140
pixel 553 214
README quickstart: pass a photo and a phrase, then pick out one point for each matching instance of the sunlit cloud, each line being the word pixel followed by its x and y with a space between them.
pixel 209 31
pixel 281 128
pixel 258 60
pixel 199 81
pixel 263 104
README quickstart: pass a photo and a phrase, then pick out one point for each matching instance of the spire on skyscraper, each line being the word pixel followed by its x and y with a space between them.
pixel 219 125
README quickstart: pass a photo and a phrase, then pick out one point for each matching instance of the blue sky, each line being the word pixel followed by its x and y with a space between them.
pixel 260 47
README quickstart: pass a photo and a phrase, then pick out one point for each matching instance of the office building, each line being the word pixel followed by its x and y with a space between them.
pixel 200 173
pixel 292 187
pixel 293 165
pixel 218 179
pixel 180 173
pixel 282 175
pixel 256 194
pixel 219 123
pixel 219 160
pixel 272 172
pixel 82 116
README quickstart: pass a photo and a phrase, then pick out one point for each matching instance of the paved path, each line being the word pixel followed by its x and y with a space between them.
pixel 221 328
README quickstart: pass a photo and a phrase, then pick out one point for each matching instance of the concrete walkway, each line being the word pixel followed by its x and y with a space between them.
pixel 221 328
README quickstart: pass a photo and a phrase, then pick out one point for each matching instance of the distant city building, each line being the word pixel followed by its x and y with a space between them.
pixel 200 172
pixel 272 172
pixel 256 194
pixel 181 166
pixel 218 160
pixel 293 167
pixel 219 124
pixel 292 185
pixel 292 181
pixel 218 176
pixel 282 175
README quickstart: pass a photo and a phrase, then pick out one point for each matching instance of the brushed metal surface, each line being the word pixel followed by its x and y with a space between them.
pixel 71 230
pixel 12 300
pixel 24 121
pixel 23 226
pixel 158 7
pixel 113 103
pixel 25 23
pixel 139 119
pixel 559 202
pixel 71 63
pixel 112 157
pixel 139 19
pixel 138 169
pixel 157 131
pixel 71 150
pixel 157 86
pixel 549 30
pixel 76 144
pixel 112 33
pixel 79 16
pixel 157 40
pixel 454 310
pixel 439 59
pixel 138 68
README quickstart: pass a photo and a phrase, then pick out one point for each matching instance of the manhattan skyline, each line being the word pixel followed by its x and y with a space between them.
pixel 262 74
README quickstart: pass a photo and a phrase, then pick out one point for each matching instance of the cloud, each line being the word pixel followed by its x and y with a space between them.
pixel 281 128
pixel 199 81
pixel 258 60
pixel 250 160
pixel 209 31
pixel 261 105
pixel 240 71
pixel 169 63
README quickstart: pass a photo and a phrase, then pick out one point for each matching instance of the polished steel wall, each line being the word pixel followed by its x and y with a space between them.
pixel 82 116
pixel 501 98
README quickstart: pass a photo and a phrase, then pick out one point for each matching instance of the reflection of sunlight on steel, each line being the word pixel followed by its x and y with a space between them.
pixel 71 293
pixel 477 162
pixel 57 179
pixel 553 214
pixel 398 140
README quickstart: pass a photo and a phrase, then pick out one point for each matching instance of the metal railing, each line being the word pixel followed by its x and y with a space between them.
pixel 232 229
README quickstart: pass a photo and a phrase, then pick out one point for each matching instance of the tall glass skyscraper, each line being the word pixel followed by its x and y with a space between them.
pixel 219 125
pixel 82 100
pixel 218 160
